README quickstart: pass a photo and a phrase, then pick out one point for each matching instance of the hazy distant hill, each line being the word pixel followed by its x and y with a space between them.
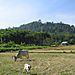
pixel 48 27
pixel 38 33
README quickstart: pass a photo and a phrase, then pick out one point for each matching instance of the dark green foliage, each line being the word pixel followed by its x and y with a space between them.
pixel 48 27
pixel 38 33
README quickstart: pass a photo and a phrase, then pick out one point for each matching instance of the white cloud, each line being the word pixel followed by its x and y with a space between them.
pixel 11 16
pixel 17 12
pixel 65 18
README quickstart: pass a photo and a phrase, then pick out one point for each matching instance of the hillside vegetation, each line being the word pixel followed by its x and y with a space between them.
pixel 38 26
pixel 37 34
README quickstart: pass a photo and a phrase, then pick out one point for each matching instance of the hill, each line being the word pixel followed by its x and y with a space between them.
pixel 38 26
pixel 39 34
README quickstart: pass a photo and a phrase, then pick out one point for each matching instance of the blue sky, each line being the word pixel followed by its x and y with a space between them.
pixel 14 13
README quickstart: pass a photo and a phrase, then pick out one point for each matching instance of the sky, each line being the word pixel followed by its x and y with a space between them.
pixel 14 13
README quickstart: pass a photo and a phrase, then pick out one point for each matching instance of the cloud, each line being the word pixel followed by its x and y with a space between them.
pixel 14 16
pixel 17 12
pixel 65 18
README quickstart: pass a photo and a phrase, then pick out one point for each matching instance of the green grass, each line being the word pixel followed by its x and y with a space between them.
pixel 5 49
pixel 42 64
pixel 33 47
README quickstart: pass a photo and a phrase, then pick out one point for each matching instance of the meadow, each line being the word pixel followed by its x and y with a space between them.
pixel 47 61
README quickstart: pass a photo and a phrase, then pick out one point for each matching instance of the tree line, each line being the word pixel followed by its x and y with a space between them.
pixel 49 27
pixel 29 37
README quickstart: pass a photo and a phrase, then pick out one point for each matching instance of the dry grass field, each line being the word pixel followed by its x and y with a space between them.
pixel 50 61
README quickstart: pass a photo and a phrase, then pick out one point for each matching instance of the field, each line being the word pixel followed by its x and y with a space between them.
pixel 48 61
